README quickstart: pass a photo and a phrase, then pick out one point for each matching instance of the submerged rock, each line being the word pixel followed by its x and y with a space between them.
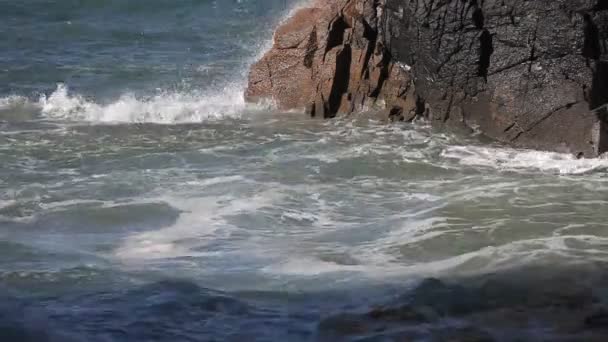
pixel 530 73
pixel 518 305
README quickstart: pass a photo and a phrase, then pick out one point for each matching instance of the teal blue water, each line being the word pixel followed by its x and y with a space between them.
pixel 107 48
pixel 141 199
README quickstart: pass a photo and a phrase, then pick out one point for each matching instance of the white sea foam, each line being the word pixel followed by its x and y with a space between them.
pixel 375 268
pixel 17 106
pixel 202 221
pixel 6 203
pixel 509 159
pixel 216 180
pixel 12 101
pixel 377 265
pixel 299 216
pixel 165 107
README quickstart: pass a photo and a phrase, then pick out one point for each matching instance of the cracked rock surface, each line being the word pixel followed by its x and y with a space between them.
pixel 530 73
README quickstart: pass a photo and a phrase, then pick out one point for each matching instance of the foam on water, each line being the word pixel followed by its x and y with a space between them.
pixel 165 107
pixel 380 266
pixel 12 101
pixel 202 221
pixel 509 159
pixel 6 203
pixel 205 222
pixel 349 226
pixel 17 107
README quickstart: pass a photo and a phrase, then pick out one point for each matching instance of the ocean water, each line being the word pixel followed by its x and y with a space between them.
pixel 141 199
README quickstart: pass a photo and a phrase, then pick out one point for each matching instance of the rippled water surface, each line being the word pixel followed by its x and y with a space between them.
pixel 141 199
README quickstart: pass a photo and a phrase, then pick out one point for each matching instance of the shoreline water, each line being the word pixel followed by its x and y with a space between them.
pixel 180 213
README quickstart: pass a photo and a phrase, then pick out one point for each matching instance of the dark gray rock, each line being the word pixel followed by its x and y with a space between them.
pixel 530 73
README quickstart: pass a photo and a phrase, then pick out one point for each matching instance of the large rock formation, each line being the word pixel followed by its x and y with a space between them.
pixel 530 73
pixel 331 58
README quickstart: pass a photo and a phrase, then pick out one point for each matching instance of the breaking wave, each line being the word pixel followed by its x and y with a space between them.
pixel 510 159
pixel 223 100
pixel 165 107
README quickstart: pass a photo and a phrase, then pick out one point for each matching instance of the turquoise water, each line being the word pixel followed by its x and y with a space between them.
pixel 142 199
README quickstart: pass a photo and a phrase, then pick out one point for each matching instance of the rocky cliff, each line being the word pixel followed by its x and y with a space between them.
pixel 530 73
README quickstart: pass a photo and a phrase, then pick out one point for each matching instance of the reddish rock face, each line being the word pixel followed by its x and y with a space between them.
pixel 329 59
pixel 283 74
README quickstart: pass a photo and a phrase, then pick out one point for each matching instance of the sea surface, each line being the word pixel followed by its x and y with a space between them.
pixel 141 199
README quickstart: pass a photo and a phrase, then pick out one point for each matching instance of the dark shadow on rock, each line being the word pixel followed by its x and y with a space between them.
pixel 599 88
pixel 486 50
pixel 601 5
pixel 341 80
pixel 478 18
pixel 591 46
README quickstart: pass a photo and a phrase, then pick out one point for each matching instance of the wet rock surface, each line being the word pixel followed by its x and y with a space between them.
pixel 529 73
pixel 519 305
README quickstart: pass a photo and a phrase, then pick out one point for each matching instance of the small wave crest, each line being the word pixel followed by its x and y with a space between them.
pixel 509 159
pixel 165 107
